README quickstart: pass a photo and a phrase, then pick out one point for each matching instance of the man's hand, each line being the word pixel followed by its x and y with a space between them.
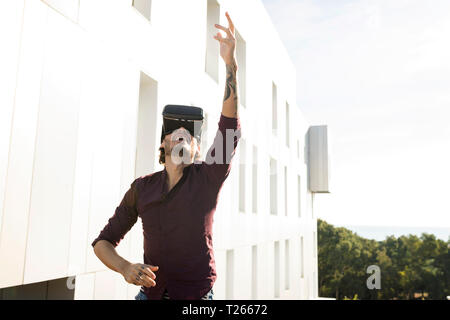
pixel 228 44
pixel 228 52
pixel 140 274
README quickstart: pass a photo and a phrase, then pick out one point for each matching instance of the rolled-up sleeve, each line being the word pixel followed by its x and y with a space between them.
pixel 219 157
pixel 125 216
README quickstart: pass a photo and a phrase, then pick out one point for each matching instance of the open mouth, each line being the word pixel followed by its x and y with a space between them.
pixel 180 136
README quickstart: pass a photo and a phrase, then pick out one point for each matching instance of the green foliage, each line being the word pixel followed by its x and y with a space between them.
pixel 408 264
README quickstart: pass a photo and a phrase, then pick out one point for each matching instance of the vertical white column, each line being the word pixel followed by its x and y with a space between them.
pixel 48 242
pixel 11 22
pixel 22 146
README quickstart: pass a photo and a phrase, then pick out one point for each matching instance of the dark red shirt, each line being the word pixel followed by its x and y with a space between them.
pixel 177 225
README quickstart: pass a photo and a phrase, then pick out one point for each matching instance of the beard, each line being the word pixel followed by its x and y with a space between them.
pixel 179 153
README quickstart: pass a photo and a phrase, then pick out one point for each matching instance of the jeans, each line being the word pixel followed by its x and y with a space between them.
pixel 141 296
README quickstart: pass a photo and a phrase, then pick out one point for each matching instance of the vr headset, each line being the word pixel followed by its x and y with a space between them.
pixel 177 116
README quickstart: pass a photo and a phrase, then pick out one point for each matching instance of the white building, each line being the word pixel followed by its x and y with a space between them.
pixel 83 84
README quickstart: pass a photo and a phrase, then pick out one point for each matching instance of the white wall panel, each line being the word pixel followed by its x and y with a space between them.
pixel 107 94
pixel 136 240
pixel 20 167
pixel 91 117
pixel 87 126
pixel 84 286
pixel 242 280
pixel 55 153
pixel 132 290
pixel 68 8
pixel 11 20
pixel 265 284
pixel 129 101
pixel 100 19
pixel 220 284
pixel 104 288
pixel 120 287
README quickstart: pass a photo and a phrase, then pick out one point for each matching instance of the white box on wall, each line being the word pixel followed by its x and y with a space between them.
pixel 318 159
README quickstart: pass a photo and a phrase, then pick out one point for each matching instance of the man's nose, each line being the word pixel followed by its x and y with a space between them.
pixel 181 134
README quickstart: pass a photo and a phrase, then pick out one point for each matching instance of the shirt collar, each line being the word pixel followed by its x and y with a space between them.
pixel 164 174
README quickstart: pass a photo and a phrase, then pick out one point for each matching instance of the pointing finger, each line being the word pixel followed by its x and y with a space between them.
pixel 224 29
pixel 230 23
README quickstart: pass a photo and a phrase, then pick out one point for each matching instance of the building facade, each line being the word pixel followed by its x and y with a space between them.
pixel 84 84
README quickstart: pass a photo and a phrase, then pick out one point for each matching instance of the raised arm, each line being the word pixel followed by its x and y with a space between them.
pixel 218 158
pixel 228 53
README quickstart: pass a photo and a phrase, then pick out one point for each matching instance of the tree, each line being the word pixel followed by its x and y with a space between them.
pixel 409 264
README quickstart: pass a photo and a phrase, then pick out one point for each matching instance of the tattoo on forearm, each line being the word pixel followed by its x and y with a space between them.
pixel 230 86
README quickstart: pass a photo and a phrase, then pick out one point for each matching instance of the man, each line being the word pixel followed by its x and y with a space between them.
pixel 177 205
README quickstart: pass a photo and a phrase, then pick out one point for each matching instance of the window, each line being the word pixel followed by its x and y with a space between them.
pixel 255 180
pixel 274 109
pixel 229 275
pixel 299 197
pixel 302 265
pixel 241 61
pixel 285 191
pixel 286 264
pixel 273 186
pixel 277 269
pixel 147 153
pixel 144 7
pixel 287 124
pixel 212 46
pixel 254 272
pixel 242 175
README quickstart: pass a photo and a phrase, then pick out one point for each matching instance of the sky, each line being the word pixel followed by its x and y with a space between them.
pixel 377 72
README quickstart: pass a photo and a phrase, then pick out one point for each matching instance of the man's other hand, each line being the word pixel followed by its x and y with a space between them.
pixel 140 274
